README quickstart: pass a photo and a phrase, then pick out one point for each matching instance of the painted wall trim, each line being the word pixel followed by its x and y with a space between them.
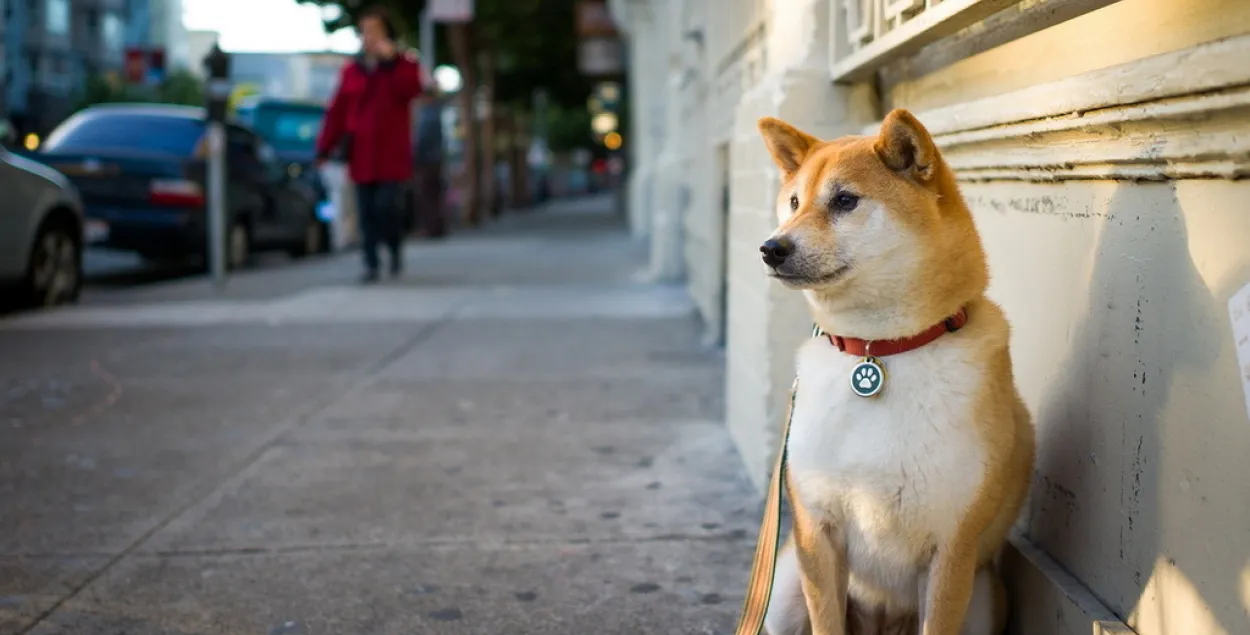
pixel 1015 22
pixel 1151 119
pixel 928 26
pixel 1223 64
pixel 1047 595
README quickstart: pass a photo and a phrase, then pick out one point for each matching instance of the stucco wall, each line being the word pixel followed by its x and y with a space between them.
pixel 1116 237
pixel 766 322
pixel 1118 297
pixel 1102 155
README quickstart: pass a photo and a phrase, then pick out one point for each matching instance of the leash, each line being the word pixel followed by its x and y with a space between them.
pixel 764 566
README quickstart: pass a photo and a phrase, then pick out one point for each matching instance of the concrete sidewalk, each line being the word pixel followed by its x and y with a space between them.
pixel 516 438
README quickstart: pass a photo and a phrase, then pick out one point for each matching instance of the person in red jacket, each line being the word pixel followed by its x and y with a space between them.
pixel 369 122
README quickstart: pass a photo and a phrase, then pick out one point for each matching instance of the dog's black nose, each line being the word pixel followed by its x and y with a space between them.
pixel 775 251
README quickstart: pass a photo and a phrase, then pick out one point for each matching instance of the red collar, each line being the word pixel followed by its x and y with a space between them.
pixel 882 348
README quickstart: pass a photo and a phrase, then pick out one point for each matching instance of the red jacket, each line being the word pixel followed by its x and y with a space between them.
pixel 373 109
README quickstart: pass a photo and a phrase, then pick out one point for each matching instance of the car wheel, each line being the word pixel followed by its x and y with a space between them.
pixel 54 273
pixel 312 241
pixel 238 245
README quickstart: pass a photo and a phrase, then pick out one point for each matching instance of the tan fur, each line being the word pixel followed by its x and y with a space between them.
pixel 906 257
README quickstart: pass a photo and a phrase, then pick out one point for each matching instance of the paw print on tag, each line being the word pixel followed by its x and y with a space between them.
pixel 867 378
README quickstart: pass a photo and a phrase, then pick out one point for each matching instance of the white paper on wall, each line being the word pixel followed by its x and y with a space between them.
pixel 1239 314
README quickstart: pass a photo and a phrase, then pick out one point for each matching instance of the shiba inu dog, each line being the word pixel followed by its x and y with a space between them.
pixel 910 450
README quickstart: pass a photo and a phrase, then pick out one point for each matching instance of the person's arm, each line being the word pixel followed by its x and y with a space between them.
pixel 334 124
pixel 406 77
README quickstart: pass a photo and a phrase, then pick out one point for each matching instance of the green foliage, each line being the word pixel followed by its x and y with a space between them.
pixel 537 48
pixel 568 129
pixel 180 87
pixel 534 44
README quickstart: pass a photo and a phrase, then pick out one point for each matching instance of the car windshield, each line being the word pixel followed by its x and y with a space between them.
pixel 155 132
pixel 288 129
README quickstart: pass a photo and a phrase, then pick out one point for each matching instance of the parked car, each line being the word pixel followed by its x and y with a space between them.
pixel 41 230
pixel 291 127
pixel 141 172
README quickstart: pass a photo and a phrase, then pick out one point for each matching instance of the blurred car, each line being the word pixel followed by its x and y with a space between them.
pixel 141 172
pixel 41 229
pixel 291 127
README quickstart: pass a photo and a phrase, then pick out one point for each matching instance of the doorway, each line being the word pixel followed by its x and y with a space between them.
pixel 721 325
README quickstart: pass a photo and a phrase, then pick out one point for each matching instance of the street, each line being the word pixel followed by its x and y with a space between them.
pixel 106 272
pixel 518 437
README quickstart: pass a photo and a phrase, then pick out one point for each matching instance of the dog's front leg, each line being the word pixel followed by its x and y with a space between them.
pixel 821 551
pixel 948 588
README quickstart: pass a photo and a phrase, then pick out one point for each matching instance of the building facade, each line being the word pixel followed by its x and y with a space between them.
pixel 310 76
pixel 42 62
pixel 6 75
pixel 157 24
pixel 98 33
pixel 1102 146
pixel 51 47
pixel 199 43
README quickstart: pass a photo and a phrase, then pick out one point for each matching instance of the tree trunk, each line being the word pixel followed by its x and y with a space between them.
pixel 490 153
pixel 464 52
pixel 518 155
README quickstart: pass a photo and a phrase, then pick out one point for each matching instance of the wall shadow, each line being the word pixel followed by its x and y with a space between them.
pixel 1118 458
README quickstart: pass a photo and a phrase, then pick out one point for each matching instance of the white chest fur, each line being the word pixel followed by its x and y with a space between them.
pixel 895 471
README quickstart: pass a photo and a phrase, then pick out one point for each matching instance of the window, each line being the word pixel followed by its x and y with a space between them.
pixel 130 130
pixel 56 16
pixel 112 33
pixel 250 154
pixel 293 129
pixel 240 142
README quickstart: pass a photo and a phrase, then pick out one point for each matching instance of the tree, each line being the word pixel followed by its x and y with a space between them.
pixel 533 42
pixel 512 47
pixel 179 87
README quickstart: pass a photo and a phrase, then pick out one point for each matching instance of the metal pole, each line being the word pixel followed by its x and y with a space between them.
pixel 427 39
pixel 217 63
pixel 217 201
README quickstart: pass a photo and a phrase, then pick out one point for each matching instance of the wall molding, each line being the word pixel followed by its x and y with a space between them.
pixel 1049 599
pixel 1150 119
pixel 1017 21
pixel 881 31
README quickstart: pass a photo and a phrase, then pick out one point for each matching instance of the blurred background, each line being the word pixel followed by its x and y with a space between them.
pixel 562 417
pixel 528 114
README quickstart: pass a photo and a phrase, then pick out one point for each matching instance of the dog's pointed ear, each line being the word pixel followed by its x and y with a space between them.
pixel 906 147
pixel 788 145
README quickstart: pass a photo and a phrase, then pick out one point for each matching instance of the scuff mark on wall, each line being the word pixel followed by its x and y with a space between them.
pixel 1041 205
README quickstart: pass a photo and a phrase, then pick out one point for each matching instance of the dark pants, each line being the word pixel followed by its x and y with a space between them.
pixel 379 221
pixel 427 197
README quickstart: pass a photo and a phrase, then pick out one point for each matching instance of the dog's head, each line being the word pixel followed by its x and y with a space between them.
pixel 872 228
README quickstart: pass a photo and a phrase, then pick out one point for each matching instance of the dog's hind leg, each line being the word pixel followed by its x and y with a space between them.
pixel 986 609
pixel 787 610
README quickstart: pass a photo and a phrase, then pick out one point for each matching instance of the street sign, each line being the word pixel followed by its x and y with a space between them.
pixel 594 20
pixel 450 11
pixel 144 65
pixel 601 56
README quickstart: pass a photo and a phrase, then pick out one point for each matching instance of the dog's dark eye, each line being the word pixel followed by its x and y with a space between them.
pixel 794 203
pixel 844 202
